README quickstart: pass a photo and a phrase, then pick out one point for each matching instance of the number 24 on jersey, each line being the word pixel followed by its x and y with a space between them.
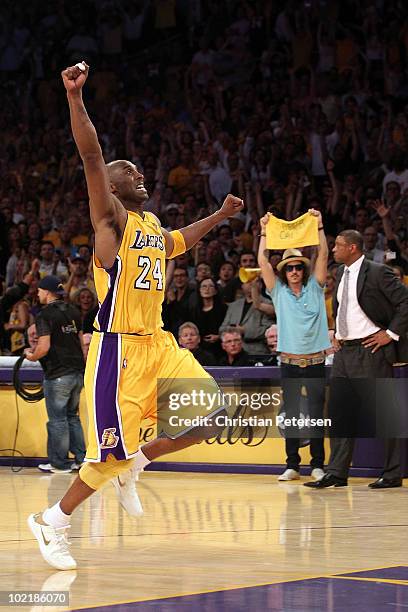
pixel 142 282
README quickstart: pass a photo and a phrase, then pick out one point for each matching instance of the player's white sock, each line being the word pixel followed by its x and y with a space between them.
pixel 140 461
pixel 56 517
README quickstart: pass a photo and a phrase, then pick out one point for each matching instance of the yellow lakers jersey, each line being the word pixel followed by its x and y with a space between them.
pixel 131 292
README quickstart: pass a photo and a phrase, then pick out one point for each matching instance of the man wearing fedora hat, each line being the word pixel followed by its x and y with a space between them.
pixel 59 351
pixel 297 293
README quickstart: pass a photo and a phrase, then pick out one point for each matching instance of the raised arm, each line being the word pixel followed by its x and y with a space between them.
pixel 267 272
pixel 108 216
pixel 194 232
pixel 320 267
pixel 335 199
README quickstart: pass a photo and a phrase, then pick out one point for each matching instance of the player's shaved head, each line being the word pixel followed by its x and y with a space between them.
pixel 116 166
pixel 126 183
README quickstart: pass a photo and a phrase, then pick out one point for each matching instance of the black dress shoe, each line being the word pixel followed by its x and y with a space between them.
pixel 386 483
pixel 328 480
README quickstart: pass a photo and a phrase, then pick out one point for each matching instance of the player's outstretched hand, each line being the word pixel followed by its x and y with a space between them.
pixel 231 206
pixel 74 77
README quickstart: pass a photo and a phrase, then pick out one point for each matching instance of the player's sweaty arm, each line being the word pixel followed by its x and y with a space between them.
pixel 107 214
pixel 194 232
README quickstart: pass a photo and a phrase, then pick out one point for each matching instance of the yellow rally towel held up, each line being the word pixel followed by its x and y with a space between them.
pixel 300 232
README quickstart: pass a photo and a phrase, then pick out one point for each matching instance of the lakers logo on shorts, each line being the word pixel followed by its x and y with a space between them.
pixel 109 440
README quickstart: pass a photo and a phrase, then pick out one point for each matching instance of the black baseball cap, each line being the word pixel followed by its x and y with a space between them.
pixel 51 283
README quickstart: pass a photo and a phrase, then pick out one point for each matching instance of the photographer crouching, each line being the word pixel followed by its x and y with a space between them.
pixel 59 350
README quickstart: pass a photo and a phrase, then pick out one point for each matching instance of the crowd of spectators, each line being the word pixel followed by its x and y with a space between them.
pixel 290 105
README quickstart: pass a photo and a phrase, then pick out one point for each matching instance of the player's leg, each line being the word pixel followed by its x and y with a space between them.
pixel 147 361
pixel 51 526
pixel 180 369
pixel 105 452
pixel 163 445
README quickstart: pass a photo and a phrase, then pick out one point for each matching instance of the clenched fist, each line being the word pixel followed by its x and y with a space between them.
pixel 74 77
pixel 231 206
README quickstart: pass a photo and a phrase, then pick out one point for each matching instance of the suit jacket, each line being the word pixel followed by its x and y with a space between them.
pixel 384 299
pixel 255 322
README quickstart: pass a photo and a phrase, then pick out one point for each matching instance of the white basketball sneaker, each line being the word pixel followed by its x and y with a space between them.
pixel 125 487
pixel 53 543
pixel 317 474
pixel 289 474
pixel 47 467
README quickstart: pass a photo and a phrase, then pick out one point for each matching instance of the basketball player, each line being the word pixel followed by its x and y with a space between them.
pixel 130 351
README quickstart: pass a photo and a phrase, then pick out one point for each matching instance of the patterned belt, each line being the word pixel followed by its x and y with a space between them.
pixel 303 362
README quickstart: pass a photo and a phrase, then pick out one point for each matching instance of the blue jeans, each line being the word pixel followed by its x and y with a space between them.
pixel 64 427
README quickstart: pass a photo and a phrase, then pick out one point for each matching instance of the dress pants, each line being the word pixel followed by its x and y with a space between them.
pixel 362 404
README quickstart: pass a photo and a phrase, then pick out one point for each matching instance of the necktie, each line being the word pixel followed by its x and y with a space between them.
pixel 343 328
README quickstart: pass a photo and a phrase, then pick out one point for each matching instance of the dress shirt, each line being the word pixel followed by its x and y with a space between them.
pixel 358 324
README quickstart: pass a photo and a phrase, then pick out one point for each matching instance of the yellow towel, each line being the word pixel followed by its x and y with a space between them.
pixel 300 232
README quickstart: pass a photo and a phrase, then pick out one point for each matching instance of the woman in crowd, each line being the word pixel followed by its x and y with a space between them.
pixel 208 315
pixel 85 301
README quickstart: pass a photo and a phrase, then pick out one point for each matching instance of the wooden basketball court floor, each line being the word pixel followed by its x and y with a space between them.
pixel 215 542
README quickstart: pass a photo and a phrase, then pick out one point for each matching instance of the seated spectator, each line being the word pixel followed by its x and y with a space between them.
pixel 271 336
pixel 189 338
pixel 208 314
pixel 203 271
pixel 85 300
pixel 246 260
pixel 78 278
pixel 12 263
pixel 227 272
pixel 184 261
pixel 224 236
pixel 399 273
pixel 32 338
pixel 50 233
pixel 219 180
pixel 11 297
pixel 370 236
pixel 249 320
pixel 85 252
pixel 399 172
pixel 362 220
pixel 74 224
pixel 181 176
pixel 34 231
pixel 16 326
pixel 176 302
pixel 171 212
pixel 50 265
pixel 214 256
pixel 234 352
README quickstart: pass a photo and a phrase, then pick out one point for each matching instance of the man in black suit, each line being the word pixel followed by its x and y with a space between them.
pixel 371 311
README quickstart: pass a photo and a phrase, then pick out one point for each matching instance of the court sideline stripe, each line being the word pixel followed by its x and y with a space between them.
pixel 206 592
pixel 362 578
pixel 234 588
